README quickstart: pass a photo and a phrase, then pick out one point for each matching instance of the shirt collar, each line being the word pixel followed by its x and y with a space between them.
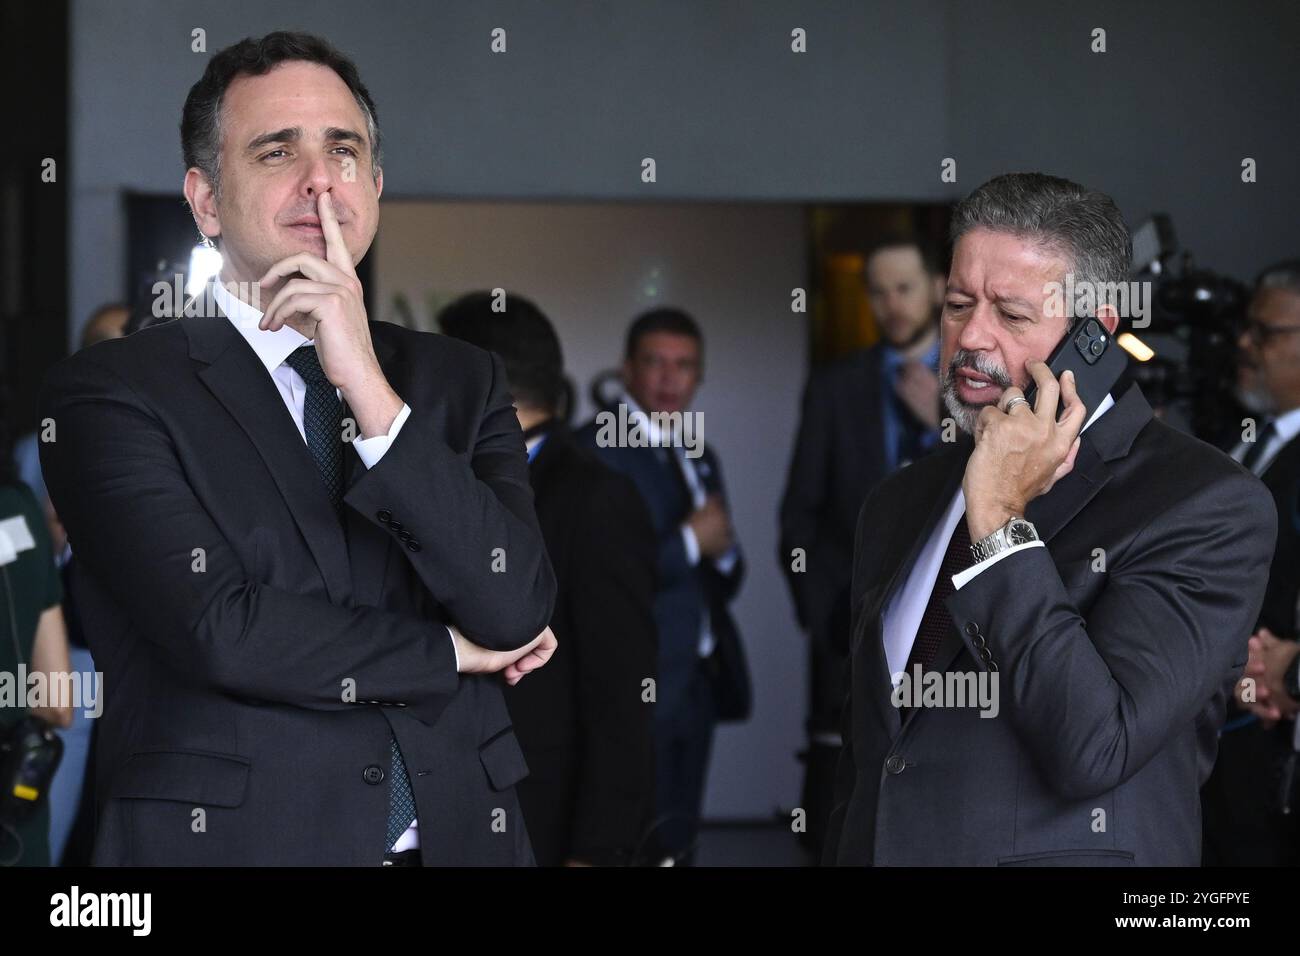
pixel 894 358
pixel 653 431
pixel 1105 403
pixel 534 445
pixel 1287 425
pixel 272 348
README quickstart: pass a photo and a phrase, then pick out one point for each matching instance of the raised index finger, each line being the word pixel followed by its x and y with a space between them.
pixel 336 250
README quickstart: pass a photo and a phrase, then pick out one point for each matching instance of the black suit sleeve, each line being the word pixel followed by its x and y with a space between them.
pixel 803 507
pixel 481 553
pixel 135 523
pixel 614 639
pixel 1095 699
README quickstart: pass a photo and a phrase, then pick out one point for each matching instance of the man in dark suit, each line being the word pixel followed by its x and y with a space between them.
pixel 1061 607
pixel 306 546
pixel 584 722
pixel 1245 824
pixel 652 437
pixel 864 416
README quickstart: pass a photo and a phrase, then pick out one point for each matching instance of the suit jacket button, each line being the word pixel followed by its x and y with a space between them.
pixel 895 764
pixel 384 516
pixel 395 525
pixel 373 775
pixel 412 545
pixel 985 656
pixel 404 535
pixel 979 641
pixel 972 628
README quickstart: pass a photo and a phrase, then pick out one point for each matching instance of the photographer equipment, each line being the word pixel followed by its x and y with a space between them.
pixel 30 752
pixel 1193 330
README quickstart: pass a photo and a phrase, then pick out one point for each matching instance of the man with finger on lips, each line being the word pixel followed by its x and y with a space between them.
pixel 1100 573
pixel 307 549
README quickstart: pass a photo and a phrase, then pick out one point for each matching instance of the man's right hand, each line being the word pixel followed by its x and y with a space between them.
pixel 513 664
pixel 1269 657
pixel 712 527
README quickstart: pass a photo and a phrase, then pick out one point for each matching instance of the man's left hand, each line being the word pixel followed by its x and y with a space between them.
pixel 1021 455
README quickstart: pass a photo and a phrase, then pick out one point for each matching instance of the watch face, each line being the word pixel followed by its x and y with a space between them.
pixel 1021 532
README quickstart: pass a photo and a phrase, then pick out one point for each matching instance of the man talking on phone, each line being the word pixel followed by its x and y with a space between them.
pixel 1049 613
pixel 306 540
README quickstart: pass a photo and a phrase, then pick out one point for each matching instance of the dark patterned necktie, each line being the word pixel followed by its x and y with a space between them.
pixel 936 621
pixel 322 419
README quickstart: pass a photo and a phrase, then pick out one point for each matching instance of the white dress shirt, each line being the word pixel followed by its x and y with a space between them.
pixel 906 607
pixel 699 495
pixel 1285 427
pixel 272 348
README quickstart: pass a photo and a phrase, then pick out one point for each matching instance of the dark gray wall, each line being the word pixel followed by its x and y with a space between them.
pixel 713 93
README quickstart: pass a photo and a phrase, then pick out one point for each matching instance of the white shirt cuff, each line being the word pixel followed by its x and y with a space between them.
pixel 453 648
pixel 692 545
pixel 726 561
pixel 370 450
pixel 965 577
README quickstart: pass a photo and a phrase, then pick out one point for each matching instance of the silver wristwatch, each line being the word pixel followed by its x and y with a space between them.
pixel 1014 532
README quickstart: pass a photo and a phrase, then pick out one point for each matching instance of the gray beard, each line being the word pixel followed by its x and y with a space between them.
pixel 1254 400
pixel 964 415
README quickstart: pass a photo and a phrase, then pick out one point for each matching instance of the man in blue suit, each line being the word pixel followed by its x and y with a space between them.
pixel 651 436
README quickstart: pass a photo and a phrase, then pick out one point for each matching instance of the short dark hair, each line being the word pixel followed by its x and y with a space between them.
pixel 201 117
pixel 521 334
pixel 672 320
pixel 1083 224
pixel 906 240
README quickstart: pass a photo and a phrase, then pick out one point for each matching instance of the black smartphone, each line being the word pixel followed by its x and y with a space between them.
pixel 1096 360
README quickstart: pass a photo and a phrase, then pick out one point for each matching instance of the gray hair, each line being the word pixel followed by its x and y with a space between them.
pixel 1281 275
pixel 1083 225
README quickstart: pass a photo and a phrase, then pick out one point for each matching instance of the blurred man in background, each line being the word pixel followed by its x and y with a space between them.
pixel 864 416
pixel 702 676
pixel 584 725
pixel 1250 812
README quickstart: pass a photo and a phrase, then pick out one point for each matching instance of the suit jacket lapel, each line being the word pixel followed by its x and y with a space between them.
pixel 240 382
pixel 933 496
pixel 1110 437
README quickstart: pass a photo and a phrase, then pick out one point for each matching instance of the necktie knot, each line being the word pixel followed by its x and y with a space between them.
pixel 306 363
